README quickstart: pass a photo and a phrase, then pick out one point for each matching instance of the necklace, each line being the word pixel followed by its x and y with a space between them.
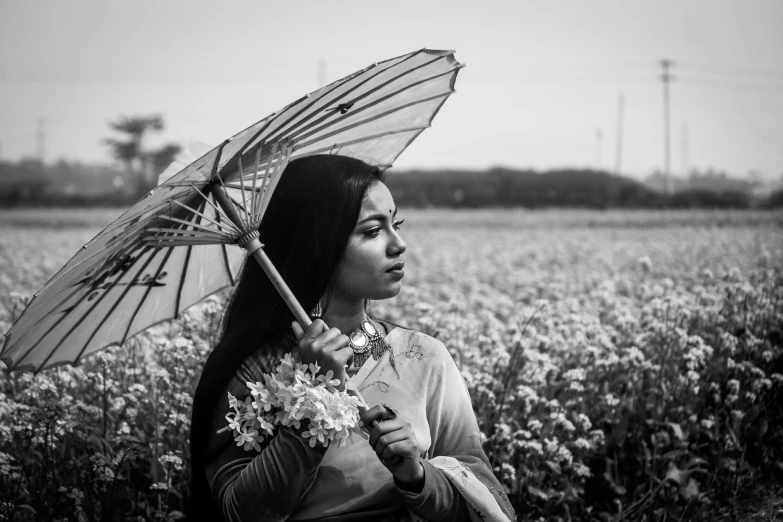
pixel 366 341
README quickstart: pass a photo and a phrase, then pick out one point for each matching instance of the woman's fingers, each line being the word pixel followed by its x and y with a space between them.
pixel 334 342
pixel 298 330
pixel 343 356
pixel 384 428
pixel 385 440
pixel 399 448
pixel 325 338
pixel 376 413
pixel 315 329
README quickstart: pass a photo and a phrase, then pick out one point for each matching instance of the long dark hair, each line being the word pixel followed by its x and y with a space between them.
pixel 305 231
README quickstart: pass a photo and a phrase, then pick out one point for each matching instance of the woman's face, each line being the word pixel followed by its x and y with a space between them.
pixel 371 267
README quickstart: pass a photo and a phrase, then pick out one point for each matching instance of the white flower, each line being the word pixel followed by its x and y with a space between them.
pixel 581 470
pixel 294 393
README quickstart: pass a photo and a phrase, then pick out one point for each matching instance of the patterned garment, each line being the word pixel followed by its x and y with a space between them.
pixel 290 481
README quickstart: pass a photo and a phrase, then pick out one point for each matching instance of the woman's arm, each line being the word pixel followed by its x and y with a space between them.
pixel 268 485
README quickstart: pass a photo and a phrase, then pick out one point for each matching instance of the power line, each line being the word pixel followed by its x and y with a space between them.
pixel 760 74
pixel 666 77
pixel 699 82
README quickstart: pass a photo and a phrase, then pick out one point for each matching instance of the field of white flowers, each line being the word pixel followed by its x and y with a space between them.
pixel 622 365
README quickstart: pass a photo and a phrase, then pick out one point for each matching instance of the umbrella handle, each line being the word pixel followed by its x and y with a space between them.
pixel 255 248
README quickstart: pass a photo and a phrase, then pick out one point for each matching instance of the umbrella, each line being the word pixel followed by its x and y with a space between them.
pixel 172 249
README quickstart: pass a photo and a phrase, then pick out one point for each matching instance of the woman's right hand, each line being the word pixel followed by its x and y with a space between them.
pixel 326 346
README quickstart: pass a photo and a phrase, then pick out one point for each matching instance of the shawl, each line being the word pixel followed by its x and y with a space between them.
pixel 432 396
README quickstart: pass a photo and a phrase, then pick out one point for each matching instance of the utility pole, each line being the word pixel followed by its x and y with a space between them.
pixel 685 151
pixel 321 72
pixel 41 140
pixel 599 138
pixel 666 77
pixel 618 160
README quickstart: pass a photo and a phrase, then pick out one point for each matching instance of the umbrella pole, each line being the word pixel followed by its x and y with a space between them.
pixel 256 249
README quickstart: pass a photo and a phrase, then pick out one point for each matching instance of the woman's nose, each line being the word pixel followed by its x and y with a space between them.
pixel 396 246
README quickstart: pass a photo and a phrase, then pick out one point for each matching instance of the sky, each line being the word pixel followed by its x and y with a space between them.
pixel 541 89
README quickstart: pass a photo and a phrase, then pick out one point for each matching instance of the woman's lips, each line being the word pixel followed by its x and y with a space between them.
pixel 396 270
pixel 397 267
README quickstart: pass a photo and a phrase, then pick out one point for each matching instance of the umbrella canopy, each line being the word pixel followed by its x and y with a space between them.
pixel 118 284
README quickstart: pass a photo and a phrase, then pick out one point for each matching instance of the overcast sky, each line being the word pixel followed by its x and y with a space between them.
pixel 540 89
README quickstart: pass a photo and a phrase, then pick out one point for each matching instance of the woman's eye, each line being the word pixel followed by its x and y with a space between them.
pixel 396 224
pixel 372 232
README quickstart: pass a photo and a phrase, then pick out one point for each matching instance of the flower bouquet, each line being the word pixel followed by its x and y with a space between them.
pixel 295 393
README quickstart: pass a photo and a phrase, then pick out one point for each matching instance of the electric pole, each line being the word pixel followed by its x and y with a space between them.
pixel 321 72
pixel 666 77
pixel 685 145
pixel 599 138
pixel 618 161
pixel 41 139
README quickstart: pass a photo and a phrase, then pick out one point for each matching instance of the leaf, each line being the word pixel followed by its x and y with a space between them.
pixel 674 454
pixel 676 430
pixel 553 466
pixel 537 493
pixel 697 462
pixel 28 508
pixel 176 515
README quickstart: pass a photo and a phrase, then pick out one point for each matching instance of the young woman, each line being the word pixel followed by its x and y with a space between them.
pixel 332 231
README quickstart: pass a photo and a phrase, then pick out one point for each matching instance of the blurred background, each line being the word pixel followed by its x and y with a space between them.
pixel 594 104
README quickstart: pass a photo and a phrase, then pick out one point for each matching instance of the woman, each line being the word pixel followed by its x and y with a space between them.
pixel 332 232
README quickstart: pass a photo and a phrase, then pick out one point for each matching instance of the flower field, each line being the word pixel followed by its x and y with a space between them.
pixel 622 365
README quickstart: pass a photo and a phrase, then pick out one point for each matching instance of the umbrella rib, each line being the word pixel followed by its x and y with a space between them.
pixel 235 185
pixel 359 140
pixel 66 314
pixel 146 293
pixel 262 203
pixel 432 117
pixel 177 233
pixel 190 209
pixel 75 292
pixel 324 117
pixel 276 174
pixel 368 120
pixel 114 306
pixel 61 273
pixel 228 266
pixel 294 117
pixel 199 226
pixel 243 216
pixel 180 241
pixel 254 195
pixel 184 274
pixel 374 103
pixel 298 123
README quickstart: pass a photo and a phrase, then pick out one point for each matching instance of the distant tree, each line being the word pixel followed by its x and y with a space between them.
pixel 144 164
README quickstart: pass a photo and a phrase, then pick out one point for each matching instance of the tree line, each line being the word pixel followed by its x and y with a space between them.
pixel 500 187
pixel 32 183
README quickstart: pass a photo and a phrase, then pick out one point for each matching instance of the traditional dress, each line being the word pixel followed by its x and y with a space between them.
pixel 289 480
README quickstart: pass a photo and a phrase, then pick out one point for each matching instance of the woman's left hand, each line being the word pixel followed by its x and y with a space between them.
pixel 395 444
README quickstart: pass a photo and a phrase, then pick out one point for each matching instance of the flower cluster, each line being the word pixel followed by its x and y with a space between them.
pixel 621 365
pixel 295 393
